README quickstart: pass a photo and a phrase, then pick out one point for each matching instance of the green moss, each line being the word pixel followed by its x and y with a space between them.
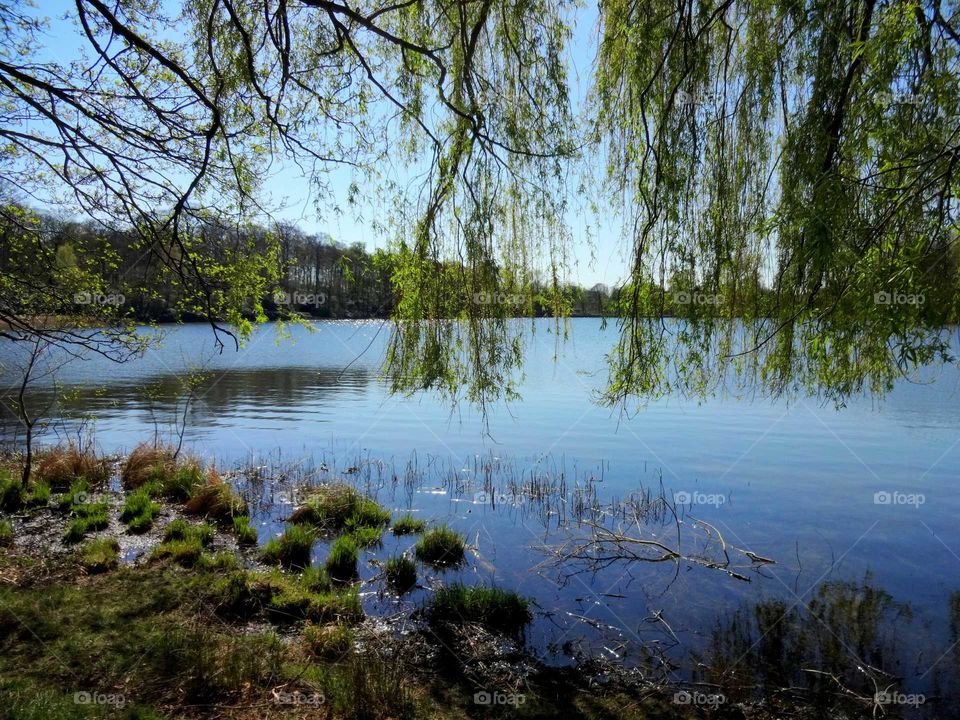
pixel 292 549
pixel 342 560
pixel 441 546
pixel 6 533
pixel 401 573
pixel 407 524
pixel 245 532
pixel 492 607
pixel 100 555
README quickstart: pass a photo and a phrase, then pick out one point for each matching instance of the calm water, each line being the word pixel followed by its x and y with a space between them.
pixel 795 483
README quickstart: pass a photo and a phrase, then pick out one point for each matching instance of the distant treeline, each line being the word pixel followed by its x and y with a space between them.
pixel 316 275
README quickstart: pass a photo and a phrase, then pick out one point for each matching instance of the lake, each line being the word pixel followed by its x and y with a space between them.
pixel 863 495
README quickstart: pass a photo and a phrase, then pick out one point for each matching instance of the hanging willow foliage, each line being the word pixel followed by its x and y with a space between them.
pixel 790 174
pixel 783 170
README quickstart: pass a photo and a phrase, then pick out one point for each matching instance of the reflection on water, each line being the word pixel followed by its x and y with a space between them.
pixel 795 483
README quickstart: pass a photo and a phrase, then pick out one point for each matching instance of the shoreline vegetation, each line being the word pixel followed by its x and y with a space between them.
pixel 135 587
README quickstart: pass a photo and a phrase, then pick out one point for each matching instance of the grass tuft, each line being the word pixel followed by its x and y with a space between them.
pixel 342 560
pixel 58 467
pixel 492 607
pixel 337 506
pixel 147 463
pixel 401 573
pixel 90 517
pixel 139 511
pixel 365 536
pixel 6 533
pixel 328 642
pixel 245 532
pixel 101 555
pixel 292 549
pixel 441 546
pixel 409 525
pixel 216 499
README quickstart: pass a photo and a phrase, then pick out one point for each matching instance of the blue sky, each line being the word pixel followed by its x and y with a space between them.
pixel 601 259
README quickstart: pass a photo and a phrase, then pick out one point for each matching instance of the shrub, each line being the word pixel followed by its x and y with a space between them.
pixel 139 511
pixel 146 463
pixel 401 573
pixel 6 533
pixel 291 549
pixel 441 546
pixel 408 525
pixel 100 555
pixel 342 560
pixel 492 607
pixel 329 642
pixel 337 506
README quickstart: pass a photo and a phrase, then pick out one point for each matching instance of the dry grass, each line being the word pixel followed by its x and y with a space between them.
pixel 59 466
pixel 144 462
pixel 216 499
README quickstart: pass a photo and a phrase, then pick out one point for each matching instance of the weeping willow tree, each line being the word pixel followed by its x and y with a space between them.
pixel 788 168
pixel 782 171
